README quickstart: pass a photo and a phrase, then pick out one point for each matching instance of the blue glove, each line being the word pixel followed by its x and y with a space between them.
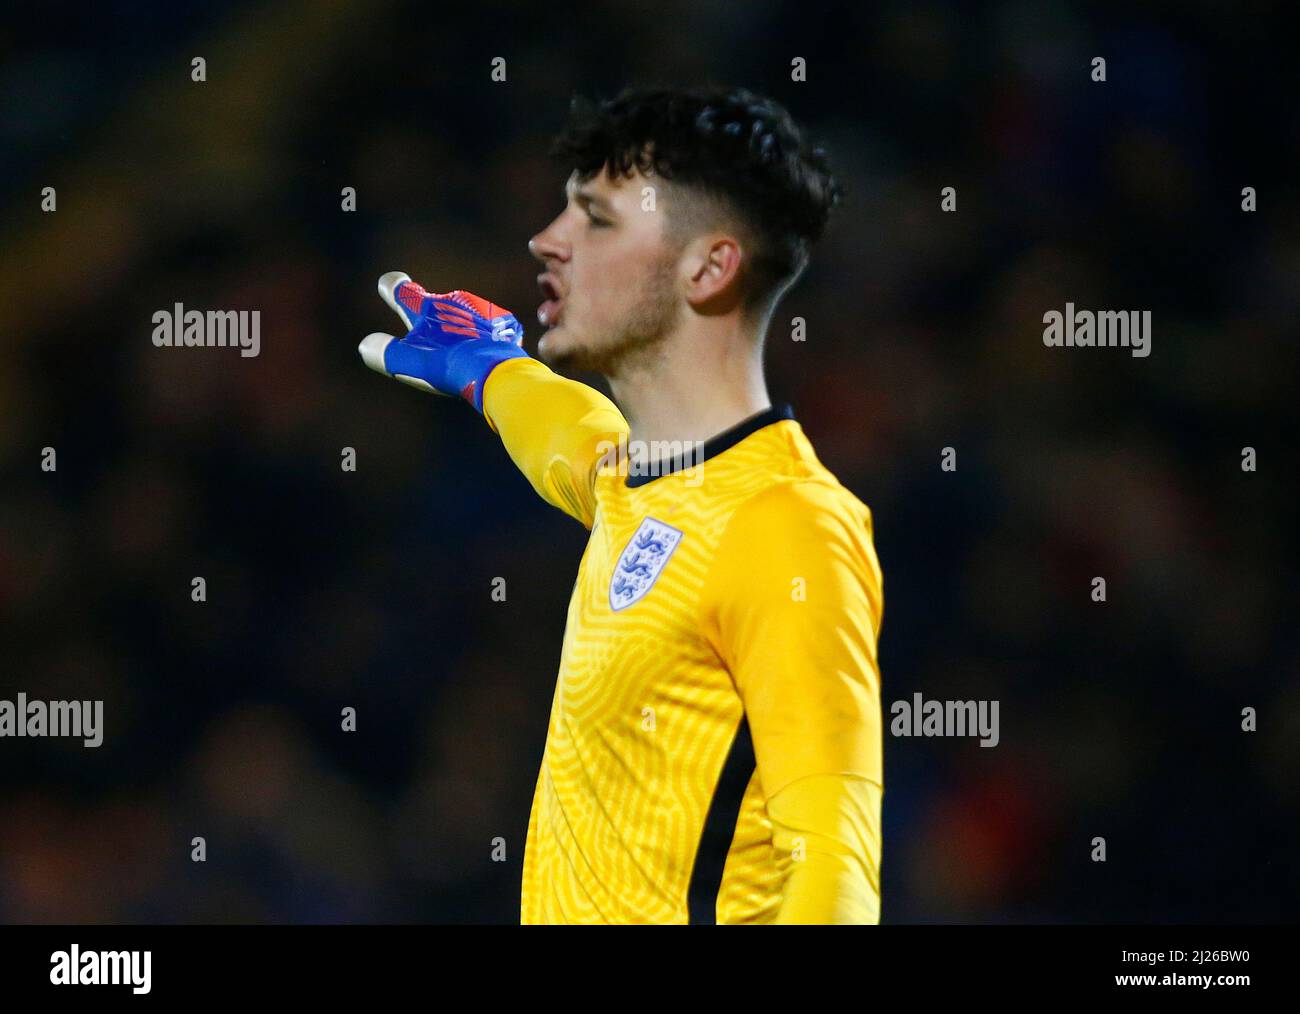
pixel 455 339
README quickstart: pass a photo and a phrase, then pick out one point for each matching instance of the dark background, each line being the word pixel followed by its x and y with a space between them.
pixel 329 589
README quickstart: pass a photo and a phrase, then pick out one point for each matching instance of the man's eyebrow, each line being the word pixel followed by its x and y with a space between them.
pixel 584 196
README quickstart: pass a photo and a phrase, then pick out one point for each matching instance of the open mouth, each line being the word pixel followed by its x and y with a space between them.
pixel 548 314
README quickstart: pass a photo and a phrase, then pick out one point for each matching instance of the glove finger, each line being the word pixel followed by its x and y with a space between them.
pixel 372 350
pixel 404 296
pixel 502 325
pixel 483 307
pixel 410 364
pixel 394 358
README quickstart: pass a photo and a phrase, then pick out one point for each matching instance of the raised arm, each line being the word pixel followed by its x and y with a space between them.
pixel 554 429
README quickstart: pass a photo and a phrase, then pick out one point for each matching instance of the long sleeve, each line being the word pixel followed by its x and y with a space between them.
pixel 830 827
pixel 554 429
pixel 793 606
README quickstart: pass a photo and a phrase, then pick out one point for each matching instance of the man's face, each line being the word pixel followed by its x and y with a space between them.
pixel 609 286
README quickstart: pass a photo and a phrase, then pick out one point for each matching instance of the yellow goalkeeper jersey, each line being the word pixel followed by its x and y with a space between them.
pixel 714 746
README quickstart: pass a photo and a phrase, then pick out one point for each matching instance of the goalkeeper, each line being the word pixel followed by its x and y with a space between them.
pixel 714 746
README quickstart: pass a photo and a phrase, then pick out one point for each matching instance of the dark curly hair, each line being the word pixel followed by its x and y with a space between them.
pixel 729 155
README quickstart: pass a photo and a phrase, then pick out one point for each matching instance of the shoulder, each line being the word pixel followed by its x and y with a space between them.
pixel 801 504
pixel 800 524
pixel 810 528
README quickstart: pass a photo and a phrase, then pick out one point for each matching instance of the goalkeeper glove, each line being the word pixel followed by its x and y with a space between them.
pixel 455 339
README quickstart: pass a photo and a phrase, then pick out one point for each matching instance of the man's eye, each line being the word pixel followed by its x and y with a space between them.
pixel 598 223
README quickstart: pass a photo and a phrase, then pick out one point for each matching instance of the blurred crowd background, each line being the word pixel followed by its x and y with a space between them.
pixel 371 589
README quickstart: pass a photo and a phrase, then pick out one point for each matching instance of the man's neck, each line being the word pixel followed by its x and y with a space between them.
pixel 691 392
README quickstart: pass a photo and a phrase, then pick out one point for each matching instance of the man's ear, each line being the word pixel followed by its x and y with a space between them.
pixel 714 272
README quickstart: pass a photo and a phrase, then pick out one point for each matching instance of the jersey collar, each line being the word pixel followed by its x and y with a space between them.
pixel 716 445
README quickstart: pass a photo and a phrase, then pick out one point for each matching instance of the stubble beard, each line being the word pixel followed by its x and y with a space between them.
pixel 645 325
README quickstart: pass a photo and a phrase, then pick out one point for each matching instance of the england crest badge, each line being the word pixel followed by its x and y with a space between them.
pixel 641 562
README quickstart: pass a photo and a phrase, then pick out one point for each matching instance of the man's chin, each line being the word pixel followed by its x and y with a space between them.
pixel 559 349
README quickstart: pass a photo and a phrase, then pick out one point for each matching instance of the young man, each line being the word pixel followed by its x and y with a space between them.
pixel 714 749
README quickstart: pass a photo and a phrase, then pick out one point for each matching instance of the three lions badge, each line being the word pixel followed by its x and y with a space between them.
pixel 641 563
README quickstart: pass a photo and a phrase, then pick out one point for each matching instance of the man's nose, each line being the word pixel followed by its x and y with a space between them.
pixel 545 246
